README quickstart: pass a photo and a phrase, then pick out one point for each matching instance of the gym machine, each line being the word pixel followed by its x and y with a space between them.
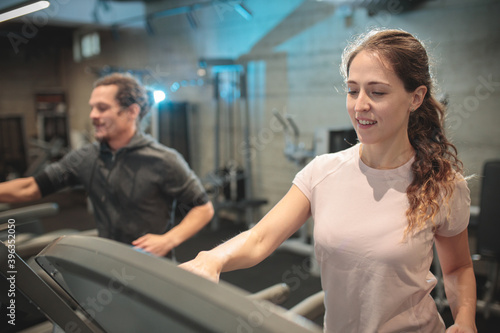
pixel 231 181
pixel 91 284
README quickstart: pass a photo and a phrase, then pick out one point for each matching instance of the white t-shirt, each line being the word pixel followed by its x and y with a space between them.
pixel 374 280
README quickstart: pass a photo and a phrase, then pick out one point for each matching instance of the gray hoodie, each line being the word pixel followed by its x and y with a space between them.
pixel 132 190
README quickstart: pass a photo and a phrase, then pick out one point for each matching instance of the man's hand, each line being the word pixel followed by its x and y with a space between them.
pixel 193 222
pixel 19 190
pixel 158 245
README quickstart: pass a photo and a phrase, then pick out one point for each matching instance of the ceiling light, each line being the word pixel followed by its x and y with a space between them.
pixel 243 11
pixel 159 96
pixel 22 8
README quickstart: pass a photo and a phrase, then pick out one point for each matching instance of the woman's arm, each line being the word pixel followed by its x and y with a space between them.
pixel 459 280
pixel 254 245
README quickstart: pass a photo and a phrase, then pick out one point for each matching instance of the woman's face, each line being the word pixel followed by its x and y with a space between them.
pixel 377 102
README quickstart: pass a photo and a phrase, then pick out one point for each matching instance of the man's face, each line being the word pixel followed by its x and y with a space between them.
pixel 110 120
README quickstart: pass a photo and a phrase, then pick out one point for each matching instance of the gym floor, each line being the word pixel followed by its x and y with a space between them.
pixel 282 266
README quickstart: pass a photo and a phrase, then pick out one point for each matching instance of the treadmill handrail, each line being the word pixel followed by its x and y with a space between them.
pixel 157 281
pixel 28 213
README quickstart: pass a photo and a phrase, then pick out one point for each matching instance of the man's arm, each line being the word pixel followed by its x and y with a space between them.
pixel 19 190
pixel 193 222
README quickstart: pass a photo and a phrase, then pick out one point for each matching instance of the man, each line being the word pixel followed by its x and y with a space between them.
pixel 131 179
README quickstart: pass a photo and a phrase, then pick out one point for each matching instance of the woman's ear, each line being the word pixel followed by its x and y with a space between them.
pixel 418 97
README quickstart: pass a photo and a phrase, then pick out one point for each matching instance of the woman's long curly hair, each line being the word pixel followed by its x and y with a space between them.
pixel 436 163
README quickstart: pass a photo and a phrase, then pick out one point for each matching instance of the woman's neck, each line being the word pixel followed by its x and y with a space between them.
pixel 377 157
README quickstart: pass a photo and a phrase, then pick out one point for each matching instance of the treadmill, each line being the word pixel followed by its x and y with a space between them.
pixel 90 284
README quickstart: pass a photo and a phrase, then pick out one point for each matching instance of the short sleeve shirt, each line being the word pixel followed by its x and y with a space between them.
pixel 374 279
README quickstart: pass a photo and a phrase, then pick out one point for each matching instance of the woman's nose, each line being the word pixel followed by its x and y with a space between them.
pixel 362 102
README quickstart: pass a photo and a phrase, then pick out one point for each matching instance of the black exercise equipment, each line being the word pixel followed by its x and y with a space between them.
pixel 30 236
pixel 98 285
pixel 488 229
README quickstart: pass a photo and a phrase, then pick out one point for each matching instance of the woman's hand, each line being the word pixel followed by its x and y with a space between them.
pixel 203 265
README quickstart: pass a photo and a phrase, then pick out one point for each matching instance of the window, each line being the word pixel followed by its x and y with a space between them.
pixel 86 46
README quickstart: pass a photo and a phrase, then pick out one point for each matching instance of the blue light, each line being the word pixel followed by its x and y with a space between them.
pixel 159 96
pixel 227 68
pixel 175 86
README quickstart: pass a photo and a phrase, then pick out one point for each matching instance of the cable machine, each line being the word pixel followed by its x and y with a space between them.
pixel 231 179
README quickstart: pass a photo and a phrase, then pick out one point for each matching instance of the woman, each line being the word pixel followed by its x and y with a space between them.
pixel 378 206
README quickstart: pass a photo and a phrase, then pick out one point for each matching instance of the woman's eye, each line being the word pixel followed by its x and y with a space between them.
pixel 378 93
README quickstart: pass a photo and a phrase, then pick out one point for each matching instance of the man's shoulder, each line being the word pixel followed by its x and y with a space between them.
pixel 82 154
pixel 88 148
pixel 146 143
pixel 157 155
pixel 157 148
